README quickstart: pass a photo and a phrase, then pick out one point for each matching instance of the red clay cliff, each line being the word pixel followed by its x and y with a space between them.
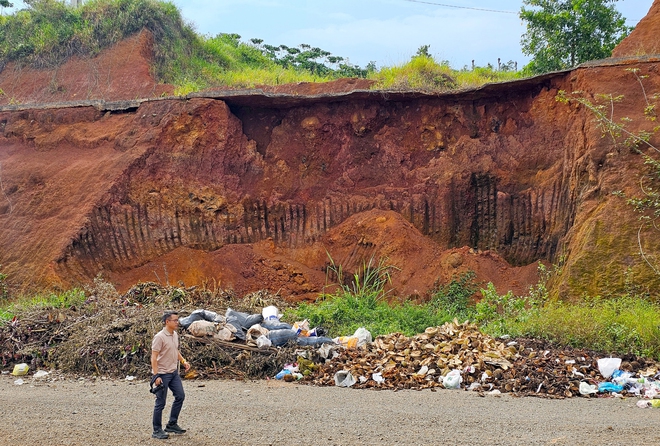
pixel 262 189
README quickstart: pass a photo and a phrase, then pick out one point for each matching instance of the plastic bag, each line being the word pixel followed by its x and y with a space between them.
pixel 607 366
pixel 226 333
pixel 20 369
pixel 263 342
pixel 363 336
pixel 199 315
pixel 452 380
pixel 344 378
pixel 360 338
pixel 254 333
pixel 609 387
pixel 587 389
pixel 347 341
pixel 271 313
pixel 244 320
pixel 281 337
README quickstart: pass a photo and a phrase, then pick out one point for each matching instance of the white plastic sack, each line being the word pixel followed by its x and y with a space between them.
pixel 263 342
pixel 344 378
pixel 363 336
pixel 328 351
pixel 607 366
pixel 271 313
pixel 587 389
pixel 452 380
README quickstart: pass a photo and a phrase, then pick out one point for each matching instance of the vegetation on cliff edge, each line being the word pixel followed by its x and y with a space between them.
pixel 49 32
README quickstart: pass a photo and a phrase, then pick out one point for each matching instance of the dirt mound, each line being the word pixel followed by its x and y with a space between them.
pixel 121 72
pixel 645 38
pixel 302 273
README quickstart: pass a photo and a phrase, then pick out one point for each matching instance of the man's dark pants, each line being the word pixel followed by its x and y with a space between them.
pixel 173 382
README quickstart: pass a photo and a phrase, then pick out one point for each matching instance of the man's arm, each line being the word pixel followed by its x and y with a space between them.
pixel 154 366
pixel 184 363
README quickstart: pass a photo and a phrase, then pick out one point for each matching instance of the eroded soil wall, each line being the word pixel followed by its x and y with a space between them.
pixel 257 194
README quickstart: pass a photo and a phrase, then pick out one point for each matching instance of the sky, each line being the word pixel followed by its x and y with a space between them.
pixel 387 32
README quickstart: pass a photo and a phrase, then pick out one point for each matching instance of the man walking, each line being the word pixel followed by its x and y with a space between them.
pixel 165 359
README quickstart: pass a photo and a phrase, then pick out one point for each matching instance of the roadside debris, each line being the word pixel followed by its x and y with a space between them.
pixel 248 340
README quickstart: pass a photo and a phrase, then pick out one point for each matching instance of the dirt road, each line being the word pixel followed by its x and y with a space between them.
pixel 105 412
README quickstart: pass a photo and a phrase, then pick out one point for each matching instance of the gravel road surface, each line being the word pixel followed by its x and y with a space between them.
pixel 118 412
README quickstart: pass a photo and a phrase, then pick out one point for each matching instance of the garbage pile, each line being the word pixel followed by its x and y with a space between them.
pixel 111 337
pixel 395 361
pixel 259 330
pixel 459 356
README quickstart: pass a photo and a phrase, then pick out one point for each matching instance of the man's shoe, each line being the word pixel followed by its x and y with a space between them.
pixel 174 428
pixel 160 434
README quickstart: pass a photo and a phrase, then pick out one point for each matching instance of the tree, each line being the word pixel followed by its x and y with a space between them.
pixel 564 33
pixel 5 3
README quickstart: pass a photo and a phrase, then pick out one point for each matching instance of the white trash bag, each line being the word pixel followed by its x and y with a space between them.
pixel 607 366
pixel 344 378
pixel 452 380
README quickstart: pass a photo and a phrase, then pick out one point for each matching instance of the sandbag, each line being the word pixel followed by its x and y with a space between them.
pixel 226 333
pixel 201 315
pixel 275 325
pixel 313 340
pixel 281 337
pixel 244 320
pixel 202 328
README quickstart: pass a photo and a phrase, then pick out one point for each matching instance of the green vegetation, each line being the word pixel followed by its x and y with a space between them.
pixel 625 324
pixel 66 299
pixel 564 33
pixel 423 73
pixel 4 291
pixel 629 323
pixel 648 203
pixel 48 32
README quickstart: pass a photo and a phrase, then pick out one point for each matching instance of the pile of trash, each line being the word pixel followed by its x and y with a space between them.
pixel 111 337
pixel 459 356
pixel 258 330
pixel 448 356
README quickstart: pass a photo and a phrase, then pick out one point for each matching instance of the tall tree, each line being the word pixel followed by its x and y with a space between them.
pixel 564 33
pixel 6 3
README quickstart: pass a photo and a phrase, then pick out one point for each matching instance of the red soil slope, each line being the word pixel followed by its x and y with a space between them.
pixel 121 72
pixel 259 191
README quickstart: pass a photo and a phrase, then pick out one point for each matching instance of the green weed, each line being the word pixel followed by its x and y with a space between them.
pixel 65 299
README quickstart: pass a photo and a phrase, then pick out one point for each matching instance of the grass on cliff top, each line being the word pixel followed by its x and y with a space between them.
pixel 423 73
pixel 48 32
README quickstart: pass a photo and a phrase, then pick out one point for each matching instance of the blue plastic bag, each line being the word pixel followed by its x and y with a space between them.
pixel 609 387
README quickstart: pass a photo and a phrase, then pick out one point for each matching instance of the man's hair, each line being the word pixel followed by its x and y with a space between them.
pixel 167 315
